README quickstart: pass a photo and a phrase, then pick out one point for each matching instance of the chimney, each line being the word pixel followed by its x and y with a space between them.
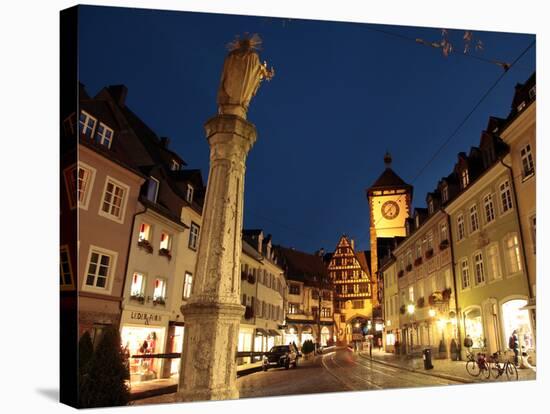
pixel 164 142
pixel 118 92
pixel 260 241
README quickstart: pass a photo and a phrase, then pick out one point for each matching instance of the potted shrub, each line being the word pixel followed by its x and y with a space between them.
pixel 444 244
pixel 159 301
pixel 420 302
pixel 307 348
pixel 165 252
pixel 138 298
pixel 418 261
pixel 429 253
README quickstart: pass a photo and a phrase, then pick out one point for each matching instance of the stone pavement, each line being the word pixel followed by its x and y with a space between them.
pixel 443 368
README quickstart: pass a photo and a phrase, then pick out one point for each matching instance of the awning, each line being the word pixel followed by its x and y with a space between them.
pixel 260 331
pixel 273 332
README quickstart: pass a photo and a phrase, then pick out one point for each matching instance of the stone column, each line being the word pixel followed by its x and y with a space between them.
pixel 213 313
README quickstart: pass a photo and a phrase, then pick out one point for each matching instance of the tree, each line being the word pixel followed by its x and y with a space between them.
pixel 104 383
pixel 307 346
pixel 85 353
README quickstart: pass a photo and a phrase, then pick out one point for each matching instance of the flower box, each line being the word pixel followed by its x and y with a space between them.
pixel 159 301
pixel 145 245
pixel 418 261
pixel 444 244
pixel 429 253
pixel 138 298
pixel 409 267
pixel 165 252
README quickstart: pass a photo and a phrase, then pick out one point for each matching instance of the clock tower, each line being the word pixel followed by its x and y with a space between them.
pixel 390 201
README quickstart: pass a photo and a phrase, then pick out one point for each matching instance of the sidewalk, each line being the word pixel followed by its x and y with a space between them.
pixel 443 368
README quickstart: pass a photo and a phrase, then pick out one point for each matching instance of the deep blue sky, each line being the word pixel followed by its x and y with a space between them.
pixel 343 94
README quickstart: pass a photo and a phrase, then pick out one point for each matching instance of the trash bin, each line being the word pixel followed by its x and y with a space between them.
pixel 427 357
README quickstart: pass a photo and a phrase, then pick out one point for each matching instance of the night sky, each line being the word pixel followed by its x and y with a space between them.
pixel 343 94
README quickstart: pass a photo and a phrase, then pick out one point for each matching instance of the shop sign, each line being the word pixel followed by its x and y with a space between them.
pixel 146 317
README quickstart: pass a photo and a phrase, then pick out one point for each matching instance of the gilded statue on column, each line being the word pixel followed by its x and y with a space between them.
pixel 242 75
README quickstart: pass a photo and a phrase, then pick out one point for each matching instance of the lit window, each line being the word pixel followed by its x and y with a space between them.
pixel 165 242
pixel 489 208
pixel 465 273
pixel 113 199
pixel 505 196
pixel 65 271
pixel 479 269
pixel 326 313
pixel 99 269
pixel 513 254
pixel 104 135
pixel 159 294
pixel 187 285
pixel 194 236
pixel 493 261
pixel 411 294
pixel 189 193
pixel 460 227
pixel 527 164
pixel 138 285
pixel 87 124
pixel 144 232
pixel 464 178
pixel 293 308
pixel 474 220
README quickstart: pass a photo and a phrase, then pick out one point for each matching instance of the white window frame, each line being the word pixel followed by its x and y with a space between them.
pixel 464 178
pixel 143 283
pixel 506 203
pixel 445 193
pixel 100 138
pixel 443 231
pixel 460 227
pixel 66 286
pixel 189 193
pixel 493 259
pixel 72 193
pixel 110 277
pixel 480 277
pixel 170 240
pixel 527 162
pixel 187 285
pixel 164 290
pixel 518 256
pixel 465 266
pixel 85 124
pixel 156 190
pixel 474 218
pixel 126 190
pixel 488 202
pixel 194 237
pixel 149 234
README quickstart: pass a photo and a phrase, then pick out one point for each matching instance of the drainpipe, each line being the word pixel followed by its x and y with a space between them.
pixel 459 335
pixel 524 259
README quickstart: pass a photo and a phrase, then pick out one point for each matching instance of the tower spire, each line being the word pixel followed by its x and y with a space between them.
pixel 387 159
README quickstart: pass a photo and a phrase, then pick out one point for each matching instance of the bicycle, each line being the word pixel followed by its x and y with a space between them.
pixel 477 365
pixel 498 368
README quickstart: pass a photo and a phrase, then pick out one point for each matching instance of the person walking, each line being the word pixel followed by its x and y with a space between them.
pixel 513 344
pixel 380 344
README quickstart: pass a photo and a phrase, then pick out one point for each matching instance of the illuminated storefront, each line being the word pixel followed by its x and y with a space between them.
pixel 175 345
pixel 474 327
pixel 143 333
pixel 514 318
pixel 291 335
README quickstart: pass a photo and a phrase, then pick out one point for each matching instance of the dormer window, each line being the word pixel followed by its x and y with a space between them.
pixel 152 189
pixel 464 178
pixel 533 92
pixel 104 135
pixel 445 193
pixel 431 206
pixel 417 221
pixel 174 166
pixel 87 124
pixel 189 193
pixel 521 106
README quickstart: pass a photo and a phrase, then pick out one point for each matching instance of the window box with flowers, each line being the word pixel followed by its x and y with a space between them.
pixel 429 253
pixel 418 261
pixel 446 294
pixel 145 245
pixel 409 267
pixel 159 301
pixel 166 253
pixel 138 298
pixel 420 302
pixel 444 244
pixel 249 312
pixel 401 273
pixel 402 309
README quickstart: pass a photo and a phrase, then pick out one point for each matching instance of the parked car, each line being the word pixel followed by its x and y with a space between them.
pixel 280 356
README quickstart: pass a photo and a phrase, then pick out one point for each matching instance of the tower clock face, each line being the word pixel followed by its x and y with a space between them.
pixel 390 210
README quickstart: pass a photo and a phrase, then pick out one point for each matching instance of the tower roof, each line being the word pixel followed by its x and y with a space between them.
pixel 388 179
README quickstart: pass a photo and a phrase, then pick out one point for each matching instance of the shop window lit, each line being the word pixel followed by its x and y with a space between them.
pixel 138 285
pixel 527 164
pixel 517 319
pixel 98 269
pixel 505 196
pixel 144 232
pixel 65 272
pixel 460 227
pixel 187 285
pixel 159 293
pixel 474 327
pixel 86 124
pixel 144 341
pixel 513 254
pixel 113 198
pixel 165 241
pixel 489 208
pixel 194 236
pixel 104 135
pixel 479 269
pixel 465 273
